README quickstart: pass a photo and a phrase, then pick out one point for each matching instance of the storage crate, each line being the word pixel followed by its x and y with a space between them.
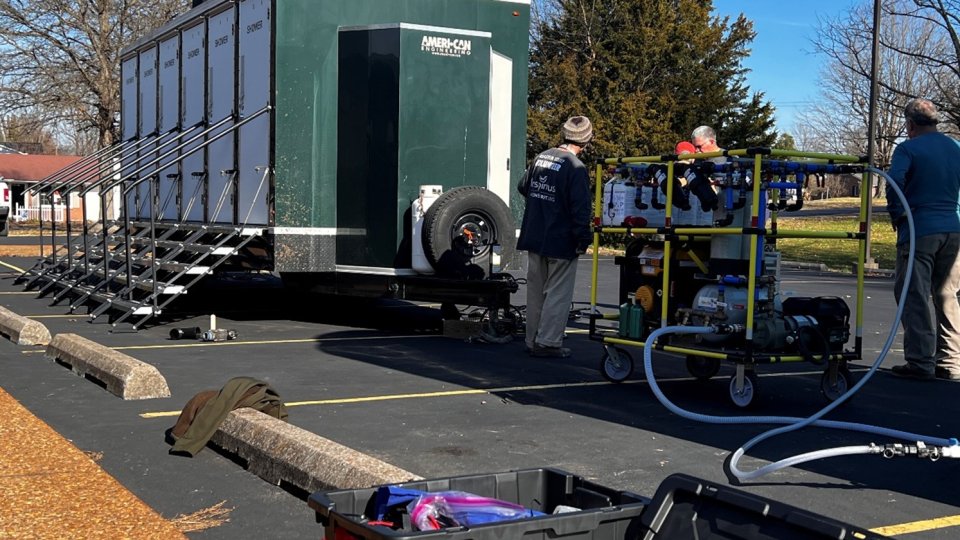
pixel 688 507
pixel 605 514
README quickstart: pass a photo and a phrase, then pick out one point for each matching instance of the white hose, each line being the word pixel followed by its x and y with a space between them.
pixel 794 423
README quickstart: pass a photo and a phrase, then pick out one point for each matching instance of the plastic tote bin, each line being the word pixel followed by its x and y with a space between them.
pixel 605 514
pixel 687 507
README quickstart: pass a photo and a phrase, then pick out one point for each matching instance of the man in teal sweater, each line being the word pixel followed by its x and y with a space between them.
pixel 927 168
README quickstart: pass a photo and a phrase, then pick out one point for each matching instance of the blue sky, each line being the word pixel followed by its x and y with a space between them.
pixel 782 64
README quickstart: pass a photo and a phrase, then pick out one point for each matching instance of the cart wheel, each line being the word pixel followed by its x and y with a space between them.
pixel 702 368
pixel 616 365
pixel 744 398
pixel 449 311
pixel 833 391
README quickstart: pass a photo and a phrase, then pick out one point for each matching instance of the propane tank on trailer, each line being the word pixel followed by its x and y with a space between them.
pixel 619 202
pixel 428 194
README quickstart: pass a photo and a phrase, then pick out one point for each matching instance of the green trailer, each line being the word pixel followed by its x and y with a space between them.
pixel 366 148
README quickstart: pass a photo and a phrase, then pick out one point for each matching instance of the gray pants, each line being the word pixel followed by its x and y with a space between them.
pixel 549 293
pixel 929 341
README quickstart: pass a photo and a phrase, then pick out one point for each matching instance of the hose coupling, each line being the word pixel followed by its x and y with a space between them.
pixel 919 450
pixel 728 328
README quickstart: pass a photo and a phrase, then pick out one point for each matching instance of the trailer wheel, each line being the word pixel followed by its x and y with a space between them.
pixel 460 228
pixel 616 364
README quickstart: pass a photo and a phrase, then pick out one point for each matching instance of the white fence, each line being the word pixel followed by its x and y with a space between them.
pixel 54 212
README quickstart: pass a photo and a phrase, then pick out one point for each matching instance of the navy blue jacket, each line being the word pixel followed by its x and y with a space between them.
pixel 556 222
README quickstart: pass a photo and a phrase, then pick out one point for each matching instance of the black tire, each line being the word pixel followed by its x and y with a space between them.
pixel 702 368
pixel 460 228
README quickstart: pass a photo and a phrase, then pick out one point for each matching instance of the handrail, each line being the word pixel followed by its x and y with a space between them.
pixel 137 149
pixel 123 167
pixel 206 143
pixel 34 189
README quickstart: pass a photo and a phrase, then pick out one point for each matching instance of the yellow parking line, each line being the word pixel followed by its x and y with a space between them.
pixel 12 267
pixel 471 391
pixel 17 292
pixel 918 526
pixel 74 316
pixel 265 342
pixel 420 395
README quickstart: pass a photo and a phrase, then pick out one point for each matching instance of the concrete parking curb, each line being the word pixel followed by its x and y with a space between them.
pixel 120 374
pixel 282 453
pixel 21 330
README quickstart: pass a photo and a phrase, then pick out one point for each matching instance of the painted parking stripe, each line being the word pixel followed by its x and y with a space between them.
pixel 918 526
pixel 476 391
pixel 12 267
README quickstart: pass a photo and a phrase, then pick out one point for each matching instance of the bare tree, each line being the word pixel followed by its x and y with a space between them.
pixel 29 131
pixel 839 119
pixel 939 54
pixel 61 57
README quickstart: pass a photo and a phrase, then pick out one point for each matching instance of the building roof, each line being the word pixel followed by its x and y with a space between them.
pixel 32 167
pixel 4 149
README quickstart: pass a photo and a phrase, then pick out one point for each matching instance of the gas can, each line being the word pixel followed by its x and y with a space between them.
pixel 428 194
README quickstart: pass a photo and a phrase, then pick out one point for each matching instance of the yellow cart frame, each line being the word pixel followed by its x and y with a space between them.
pixel 748 358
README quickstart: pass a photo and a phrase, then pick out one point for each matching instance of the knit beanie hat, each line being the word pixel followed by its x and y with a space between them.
pixel 578 130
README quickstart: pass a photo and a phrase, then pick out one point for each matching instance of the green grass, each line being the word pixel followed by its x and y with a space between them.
pixel 838 254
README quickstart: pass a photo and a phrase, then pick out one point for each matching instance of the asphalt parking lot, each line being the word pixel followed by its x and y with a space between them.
pixel 378 377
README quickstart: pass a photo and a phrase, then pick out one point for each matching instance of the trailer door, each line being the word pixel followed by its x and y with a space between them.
pixel 148 132
pixel 221 90
pixel 253 190
pixel 129 121
pixel 193 88
pixel 169 95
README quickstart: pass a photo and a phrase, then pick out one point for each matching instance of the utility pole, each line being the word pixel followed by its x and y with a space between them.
pixel 872 126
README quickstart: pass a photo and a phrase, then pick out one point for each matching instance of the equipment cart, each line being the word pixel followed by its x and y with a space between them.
pixel 702 255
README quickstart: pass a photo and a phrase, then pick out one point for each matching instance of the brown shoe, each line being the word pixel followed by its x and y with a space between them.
pixel 540 351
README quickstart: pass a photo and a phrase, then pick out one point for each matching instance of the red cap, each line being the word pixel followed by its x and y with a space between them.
pixel 685 147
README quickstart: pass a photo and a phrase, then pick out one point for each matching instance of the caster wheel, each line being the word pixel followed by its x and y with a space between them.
pixel 833 391
pixel 702 368
pixel 616 365
pixel 745 397
pixel 449 311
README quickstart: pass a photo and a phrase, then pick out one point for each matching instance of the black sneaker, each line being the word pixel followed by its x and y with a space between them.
pixel 540 351
pixel 945 374
pixel 910 371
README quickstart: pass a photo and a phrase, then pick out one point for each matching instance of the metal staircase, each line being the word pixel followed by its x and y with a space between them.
pixel 132 269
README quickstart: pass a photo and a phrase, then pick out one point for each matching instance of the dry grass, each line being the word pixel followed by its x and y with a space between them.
pixel 202 520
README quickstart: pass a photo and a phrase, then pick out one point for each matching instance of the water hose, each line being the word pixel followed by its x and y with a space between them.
pixel 949 447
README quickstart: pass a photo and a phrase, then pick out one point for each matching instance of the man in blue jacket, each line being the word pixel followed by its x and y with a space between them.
pixel 927 168
pixel 554 232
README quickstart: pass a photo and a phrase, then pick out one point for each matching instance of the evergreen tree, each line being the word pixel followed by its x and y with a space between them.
pixel 646 72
